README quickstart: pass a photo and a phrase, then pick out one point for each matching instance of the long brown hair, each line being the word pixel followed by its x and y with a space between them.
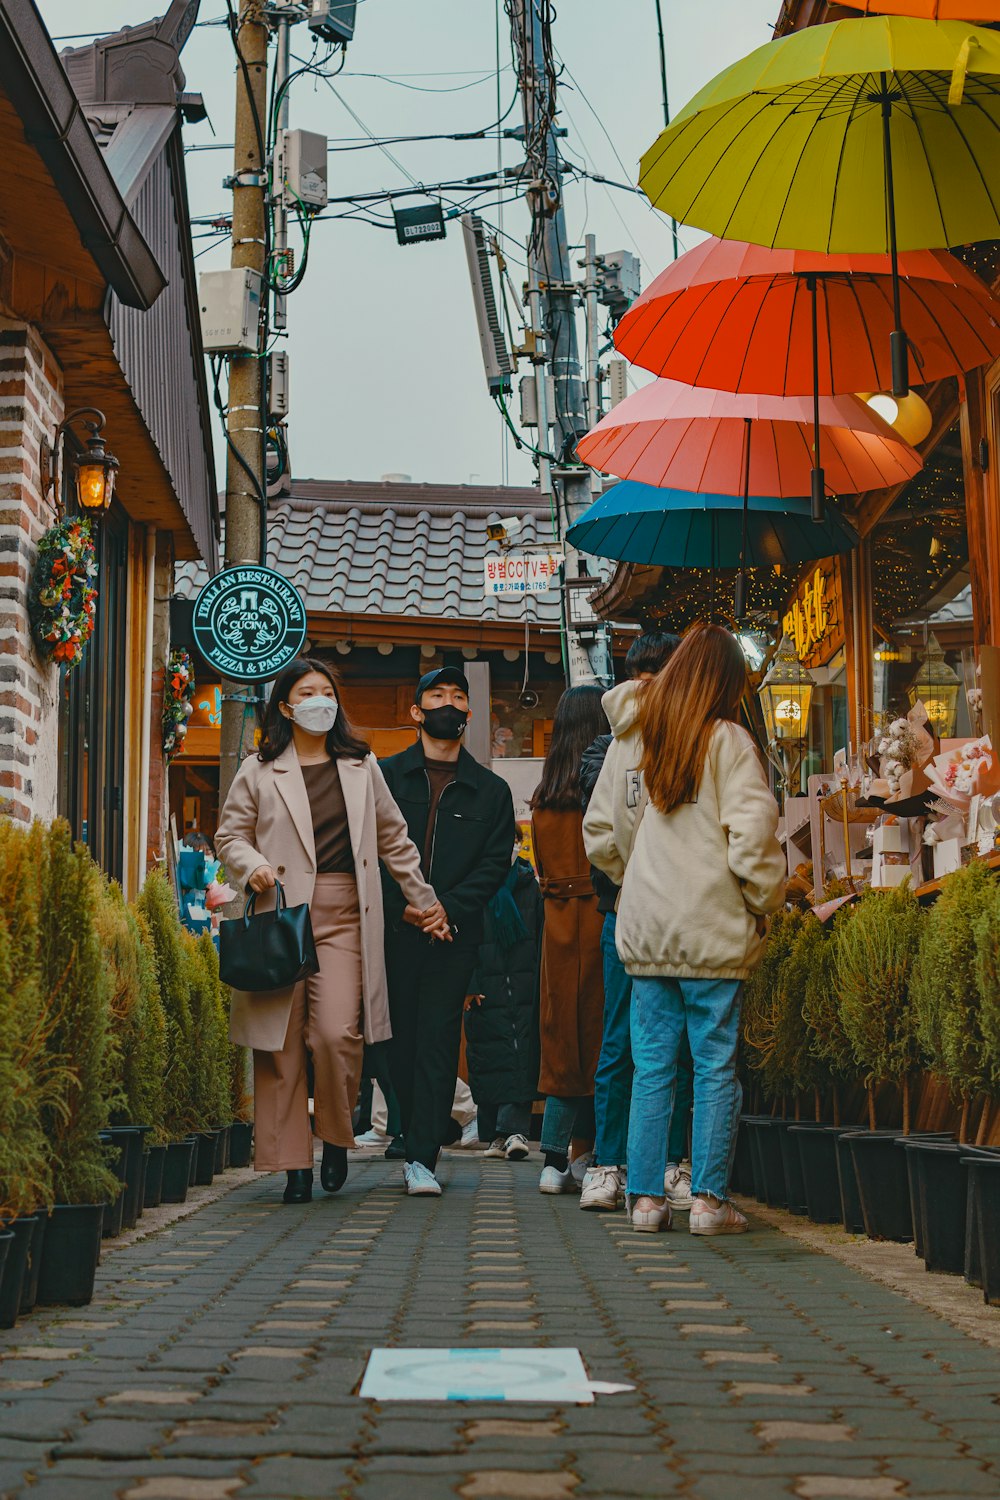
pixel 579 719
pixel 703 682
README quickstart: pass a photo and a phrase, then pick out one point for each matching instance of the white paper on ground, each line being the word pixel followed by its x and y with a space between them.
pixel 554 1376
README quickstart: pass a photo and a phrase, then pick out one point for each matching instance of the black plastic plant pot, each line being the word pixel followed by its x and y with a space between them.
pixel 972 1269
pixel 850 1203
pixel 882 1186
pixel 7 1248
pixel 193 1171
pixel 756 1153
pixel 773 1168
pixel 70 1253
pixel 984 1180
pixel 905 1143
pixel 795 1187
pixel 221 1148
pixel 176 1171
pixel 29 1286
pixel 817 1148
pixel 741 1178
pixel 14 1269
pixel 241 1143
pixel 152 1187
pixel 205 1158
pixel 114 1212
pixel 131 1136
pixel 943 1187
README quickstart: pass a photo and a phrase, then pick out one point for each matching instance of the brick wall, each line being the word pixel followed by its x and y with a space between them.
pixel 31 407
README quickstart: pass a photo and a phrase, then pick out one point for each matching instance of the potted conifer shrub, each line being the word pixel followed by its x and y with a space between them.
pixel 809 978
pixel 982 1249
pixel 75 987
pixel 762 1022
pixel 158 909
pixel 241 1107
pixel 209 1060
pixel 947 997
pixel 145 1064
pixel 875 952
pixel 833 1049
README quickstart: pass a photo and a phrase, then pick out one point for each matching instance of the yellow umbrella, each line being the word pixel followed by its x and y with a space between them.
pixel 868 135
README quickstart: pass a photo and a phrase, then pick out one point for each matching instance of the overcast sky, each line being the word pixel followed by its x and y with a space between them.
pixel 386 374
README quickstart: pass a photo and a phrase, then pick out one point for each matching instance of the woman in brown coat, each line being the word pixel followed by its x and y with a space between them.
pixel 572 986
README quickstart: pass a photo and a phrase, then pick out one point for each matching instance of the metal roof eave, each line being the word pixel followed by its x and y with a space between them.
pixel 54 123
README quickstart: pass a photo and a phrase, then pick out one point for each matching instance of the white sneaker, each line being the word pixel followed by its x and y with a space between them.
pixel 515 1148
pixel 716 1216
pixel 371 1138
pixel 603 1189
pixel 470 1136
pixel 554 1181
pixel 580 1166
pixel 652 1219
pixel 420 1181
pixel 497 1147
pixel 677 1186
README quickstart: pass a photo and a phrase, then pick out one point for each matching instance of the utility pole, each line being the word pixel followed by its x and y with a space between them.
pixel 551 289
pixel 279 208
pixel 245 477
pixel 666 97
pixel 590 302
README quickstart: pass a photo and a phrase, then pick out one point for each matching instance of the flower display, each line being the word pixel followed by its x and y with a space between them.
pixel 62 597
pixel 178 691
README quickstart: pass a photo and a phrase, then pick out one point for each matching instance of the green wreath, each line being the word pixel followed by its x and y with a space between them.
pixel 62 594
pixel 178 691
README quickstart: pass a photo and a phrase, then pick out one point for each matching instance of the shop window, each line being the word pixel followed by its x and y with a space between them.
pixel 92 710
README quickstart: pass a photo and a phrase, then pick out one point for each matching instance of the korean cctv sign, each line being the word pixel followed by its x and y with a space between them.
pixel 521 573
pixel 249 623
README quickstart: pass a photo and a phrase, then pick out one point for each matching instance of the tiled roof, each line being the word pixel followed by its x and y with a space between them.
pixel 389 549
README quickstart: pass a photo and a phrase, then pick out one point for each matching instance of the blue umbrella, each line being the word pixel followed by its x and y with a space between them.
pixel 638 523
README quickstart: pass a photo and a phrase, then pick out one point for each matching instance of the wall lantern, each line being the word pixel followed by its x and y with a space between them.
pixel 94 469
pixel 936 686
pixel 785 695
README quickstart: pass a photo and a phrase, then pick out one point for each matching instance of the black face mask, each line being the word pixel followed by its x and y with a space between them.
pixel 446 722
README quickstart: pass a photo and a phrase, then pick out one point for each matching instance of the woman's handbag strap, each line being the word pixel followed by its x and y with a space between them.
pixel 279 905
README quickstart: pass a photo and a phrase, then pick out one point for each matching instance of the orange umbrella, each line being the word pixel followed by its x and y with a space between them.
pixel 930 10
pixel 684 438
pixel 740 317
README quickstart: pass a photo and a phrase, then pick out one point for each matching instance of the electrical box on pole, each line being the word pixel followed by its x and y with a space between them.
pixel 620 281
pixel 230 310
pixel 333 20
pixel 303 169
pixel 528 389
pixel 617 381
pixel 496 356
pixel 277 384
pixel 425 221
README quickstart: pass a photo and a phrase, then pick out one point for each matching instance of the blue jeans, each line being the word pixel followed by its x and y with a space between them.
pixel 613 1079
pixel 661 1008
pixel 563 1119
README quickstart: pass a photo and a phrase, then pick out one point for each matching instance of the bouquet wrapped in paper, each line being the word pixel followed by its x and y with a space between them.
pixel 961 769
pixel 904 750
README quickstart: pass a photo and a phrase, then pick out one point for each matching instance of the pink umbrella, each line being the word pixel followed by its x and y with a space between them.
pixel 686 438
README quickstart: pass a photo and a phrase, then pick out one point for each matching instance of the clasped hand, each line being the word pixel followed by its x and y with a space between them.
pixel 433 921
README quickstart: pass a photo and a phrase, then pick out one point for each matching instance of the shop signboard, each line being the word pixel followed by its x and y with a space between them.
pixel 521 573
pixel 814 619
pixel 249 623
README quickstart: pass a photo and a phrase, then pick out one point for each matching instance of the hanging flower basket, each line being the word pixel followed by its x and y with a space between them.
pixel 62 597
pixel 178 691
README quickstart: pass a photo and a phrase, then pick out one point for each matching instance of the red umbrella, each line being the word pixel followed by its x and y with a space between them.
pixel 715 442
pixel 741 317
pixel 685 438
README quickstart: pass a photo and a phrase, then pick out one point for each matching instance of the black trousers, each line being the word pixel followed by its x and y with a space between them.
pixel 428 983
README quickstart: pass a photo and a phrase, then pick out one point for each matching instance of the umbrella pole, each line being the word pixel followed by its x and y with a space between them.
pixel 740 601
pixel 817 478
pixel 897 339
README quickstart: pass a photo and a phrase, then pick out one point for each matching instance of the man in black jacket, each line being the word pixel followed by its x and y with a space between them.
pixel 461 817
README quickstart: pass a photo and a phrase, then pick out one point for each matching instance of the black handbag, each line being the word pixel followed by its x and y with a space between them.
pixel 270 951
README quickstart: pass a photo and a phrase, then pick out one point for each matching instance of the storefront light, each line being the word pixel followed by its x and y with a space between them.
pixel 908 415
pixel 94 469
pixel 786 696
pixel 936 686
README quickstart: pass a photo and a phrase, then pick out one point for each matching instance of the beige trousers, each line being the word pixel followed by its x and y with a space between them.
pixel 325 1024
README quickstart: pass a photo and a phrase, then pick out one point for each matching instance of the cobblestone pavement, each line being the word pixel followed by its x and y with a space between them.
pixel 221 1356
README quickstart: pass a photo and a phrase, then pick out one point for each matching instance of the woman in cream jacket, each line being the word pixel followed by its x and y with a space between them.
pixel 682 818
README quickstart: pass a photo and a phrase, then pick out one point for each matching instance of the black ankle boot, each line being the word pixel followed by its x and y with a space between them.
pixel 300 1186
pixel 333 1172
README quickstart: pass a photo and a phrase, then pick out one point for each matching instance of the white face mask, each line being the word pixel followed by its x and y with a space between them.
pixel 316 715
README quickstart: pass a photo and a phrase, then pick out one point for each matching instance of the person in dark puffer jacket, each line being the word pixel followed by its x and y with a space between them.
pixel 501 1014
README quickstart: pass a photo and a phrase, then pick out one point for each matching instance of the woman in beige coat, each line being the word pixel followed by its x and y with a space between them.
pixel 312 811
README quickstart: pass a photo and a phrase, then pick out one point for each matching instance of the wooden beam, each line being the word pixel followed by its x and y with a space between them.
pixel 973 430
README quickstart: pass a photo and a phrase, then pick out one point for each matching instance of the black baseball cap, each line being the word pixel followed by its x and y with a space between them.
pixel 439 675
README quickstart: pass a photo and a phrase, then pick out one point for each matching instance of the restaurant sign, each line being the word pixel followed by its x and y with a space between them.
pixel 814 620
pixel 249 623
